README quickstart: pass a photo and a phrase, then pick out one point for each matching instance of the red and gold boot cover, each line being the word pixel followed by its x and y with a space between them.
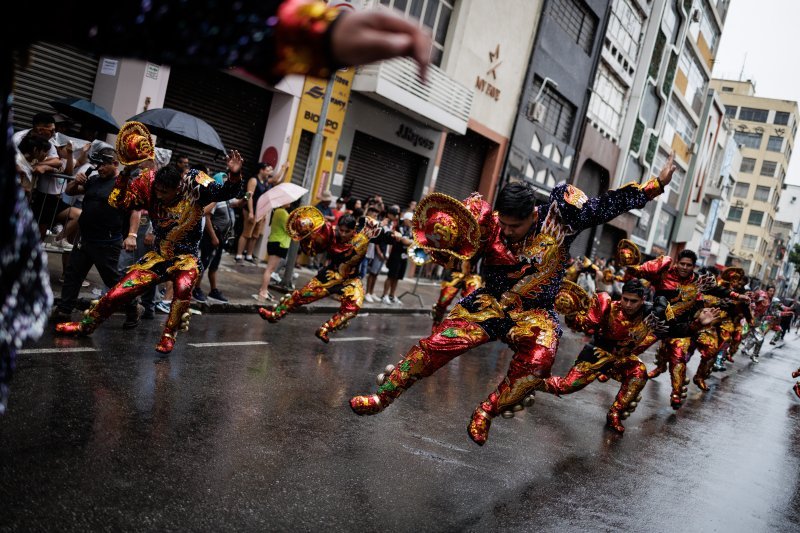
pixel 91 319
pixel 413 367
pixel 178 318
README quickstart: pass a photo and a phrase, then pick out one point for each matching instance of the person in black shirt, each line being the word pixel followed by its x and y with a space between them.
pixel 101 227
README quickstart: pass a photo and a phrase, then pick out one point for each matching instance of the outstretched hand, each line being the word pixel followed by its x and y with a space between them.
pixel 364 37
pixel 666 173
pixel 708 315
pixel 235 161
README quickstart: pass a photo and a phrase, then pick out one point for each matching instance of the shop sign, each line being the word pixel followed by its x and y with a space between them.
pixel 407 133
pixel 482 84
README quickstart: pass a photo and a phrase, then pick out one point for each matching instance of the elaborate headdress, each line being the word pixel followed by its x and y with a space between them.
pixel 732 275
pixel 304 221
pixel 627 253
pixel 571 299
pixel 443 224
pixel 134 144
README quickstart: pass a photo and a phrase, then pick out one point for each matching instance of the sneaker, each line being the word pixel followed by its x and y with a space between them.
pixel 369 298
pixel 387 300
pixel 64 245
pixel 163 306
pixel 251 259
pixel 754 358
pixel 396 300
pixel 238 259
pixel 198 295
pixel 216 296
pixel 276 277
pixel 85 284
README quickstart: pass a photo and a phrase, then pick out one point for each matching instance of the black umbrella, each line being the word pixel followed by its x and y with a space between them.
pixel 181 127
pixel 86 112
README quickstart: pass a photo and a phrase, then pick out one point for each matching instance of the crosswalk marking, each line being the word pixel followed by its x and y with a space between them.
pixel 57 350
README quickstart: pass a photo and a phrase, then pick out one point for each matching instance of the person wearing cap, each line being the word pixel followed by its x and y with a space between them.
pixel 523 248
pixel 176 205
pixel 254 222
pixel 346 247
pixel 396 262
pixel 101 229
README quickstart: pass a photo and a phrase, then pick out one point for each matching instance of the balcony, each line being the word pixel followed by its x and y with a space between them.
pixel 441 102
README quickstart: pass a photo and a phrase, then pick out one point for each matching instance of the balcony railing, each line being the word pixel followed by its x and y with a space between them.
pixel 441 102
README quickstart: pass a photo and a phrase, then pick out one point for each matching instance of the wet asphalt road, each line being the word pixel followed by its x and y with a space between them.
pixel 257 437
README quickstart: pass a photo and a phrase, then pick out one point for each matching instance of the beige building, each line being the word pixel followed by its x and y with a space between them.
pixel 765 129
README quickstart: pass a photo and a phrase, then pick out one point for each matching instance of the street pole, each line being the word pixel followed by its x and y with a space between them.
pixel 308 178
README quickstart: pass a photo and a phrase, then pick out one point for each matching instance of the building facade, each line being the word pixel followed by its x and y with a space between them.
pixel 788 218
pixel 765 130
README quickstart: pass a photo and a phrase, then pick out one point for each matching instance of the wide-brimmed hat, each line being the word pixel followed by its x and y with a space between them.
pixel 304 221
pixel 627 253
pixel 134 144
pixel 732 274
pixel 326 196
pixel 571 299
pixel 443 224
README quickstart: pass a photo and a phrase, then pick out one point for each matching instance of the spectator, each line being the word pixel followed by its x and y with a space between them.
pixel 339 210
pixel 101 236
pixel 31 150
pixel 277 250
pixel 254 222
pixel 324 206
pixel 182 163
pixel 219 223
pixel 396 263
pixel 376 256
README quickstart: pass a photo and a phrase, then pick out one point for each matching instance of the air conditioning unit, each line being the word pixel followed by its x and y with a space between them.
pixel 535 111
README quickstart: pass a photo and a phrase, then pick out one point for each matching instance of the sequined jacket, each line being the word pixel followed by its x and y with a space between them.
pixel 527 275
pixel 177 227
pixel 684 295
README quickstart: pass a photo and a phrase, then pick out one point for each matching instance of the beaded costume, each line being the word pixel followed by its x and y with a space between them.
pixel 516 304
pixel 685 296
pixel 340 276
pixel 177 231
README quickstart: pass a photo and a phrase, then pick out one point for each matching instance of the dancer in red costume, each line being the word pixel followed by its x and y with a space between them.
pixel 622 330
pixel 346 248
pixel 716 338
pixel 524 249
pixel 682 287
pixel 175 204
pixel 464 280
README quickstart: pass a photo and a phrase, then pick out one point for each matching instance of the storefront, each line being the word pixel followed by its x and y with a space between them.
pixel 384 152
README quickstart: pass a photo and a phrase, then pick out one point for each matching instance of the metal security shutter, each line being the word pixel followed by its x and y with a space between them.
pixel 462 164
pixel 54 71
pixel 236 109
pixel 301 158
pixel 379 167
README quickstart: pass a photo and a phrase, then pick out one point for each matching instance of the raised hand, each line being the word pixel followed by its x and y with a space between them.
pixel 708 315
pixel 666 173
pixel 234 160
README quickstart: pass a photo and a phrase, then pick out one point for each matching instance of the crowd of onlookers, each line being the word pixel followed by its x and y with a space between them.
pixel 68 179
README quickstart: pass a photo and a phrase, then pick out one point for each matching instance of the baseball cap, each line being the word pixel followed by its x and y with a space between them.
pixel 408 215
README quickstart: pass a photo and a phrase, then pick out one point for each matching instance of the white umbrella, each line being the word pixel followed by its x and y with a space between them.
pixel 281 194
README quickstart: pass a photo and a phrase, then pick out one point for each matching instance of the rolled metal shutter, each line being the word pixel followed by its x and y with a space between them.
pixel 54 71
pixel 462 164
pixel 379 167
pixel 301 158
pixel 236 109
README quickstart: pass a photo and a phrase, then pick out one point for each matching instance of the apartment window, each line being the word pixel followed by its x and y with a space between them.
pixel 775 143
pixel 748 139
pixel 696 80
pixel 577 20
pixel 671 21
pixel 741 190
pixel 559 112
pixel 432 14
pixel 730 110
pixel 735 214
pixel 727 89
pixel 608 98
pixel 750 242
pixel 707 28
pixel 762 193
pixel 679 121
pixel 753 115
pixel 781 117
pixel 768 168
pixel 748 165
pixel 755 218
pixel 729 238
pixel 625 27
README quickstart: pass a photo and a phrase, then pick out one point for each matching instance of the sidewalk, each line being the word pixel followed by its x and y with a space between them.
pixel 239 282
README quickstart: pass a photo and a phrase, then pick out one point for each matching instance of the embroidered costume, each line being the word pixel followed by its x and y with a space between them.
pixel 340 276
pixel 465 281
pixel 516 304
pixel 177 230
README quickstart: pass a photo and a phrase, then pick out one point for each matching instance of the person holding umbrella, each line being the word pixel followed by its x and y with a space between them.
pixel 176 206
